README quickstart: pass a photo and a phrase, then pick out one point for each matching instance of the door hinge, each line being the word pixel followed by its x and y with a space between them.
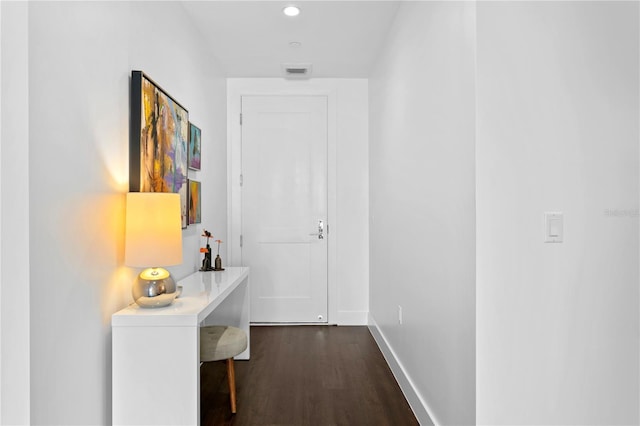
pixel 241 119
pixel 241 180
pixel 240 240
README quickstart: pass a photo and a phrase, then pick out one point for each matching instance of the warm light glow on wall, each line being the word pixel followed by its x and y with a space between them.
pixel 113 145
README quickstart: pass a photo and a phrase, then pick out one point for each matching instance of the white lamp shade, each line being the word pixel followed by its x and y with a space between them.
pixel 153 229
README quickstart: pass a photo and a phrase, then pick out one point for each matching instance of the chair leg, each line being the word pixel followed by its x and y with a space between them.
pixel 231 374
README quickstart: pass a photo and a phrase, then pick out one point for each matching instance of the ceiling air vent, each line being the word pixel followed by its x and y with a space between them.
pixel 296 70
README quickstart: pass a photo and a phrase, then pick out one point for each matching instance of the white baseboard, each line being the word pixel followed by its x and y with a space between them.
pixel 341 318
pixel 418 405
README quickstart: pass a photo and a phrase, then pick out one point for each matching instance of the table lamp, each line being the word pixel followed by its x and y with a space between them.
pixel 153 238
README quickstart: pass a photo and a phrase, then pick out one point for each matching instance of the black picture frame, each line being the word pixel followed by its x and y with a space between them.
pixel 195 202
pixel 195 147
pixel 158 141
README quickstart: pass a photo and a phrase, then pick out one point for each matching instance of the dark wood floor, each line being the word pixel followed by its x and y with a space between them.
pixel 307 375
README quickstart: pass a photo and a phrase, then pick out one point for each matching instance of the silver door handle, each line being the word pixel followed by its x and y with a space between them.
pixel 320 233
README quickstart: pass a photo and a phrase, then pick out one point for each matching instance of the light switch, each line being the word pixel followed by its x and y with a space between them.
pixel 553 227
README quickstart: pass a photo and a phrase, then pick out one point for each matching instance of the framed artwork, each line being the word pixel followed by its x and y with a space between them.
pixel 195 205
pixel 158 139
pixel 194 147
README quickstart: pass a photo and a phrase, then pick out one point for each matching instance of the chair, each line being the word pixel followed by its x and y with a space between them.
pixel 220 342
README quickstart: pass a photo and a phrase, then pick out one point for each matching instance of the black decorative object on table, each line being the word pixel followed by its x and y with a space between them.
pixel 206 262
pixel 218 260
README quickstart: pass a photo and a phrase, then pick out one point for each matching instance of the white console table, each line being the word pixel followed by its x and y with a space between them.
pixel 156 366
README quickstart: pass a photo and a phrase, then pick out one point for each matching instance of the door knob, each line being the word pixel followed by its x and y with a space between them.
pixel 320 233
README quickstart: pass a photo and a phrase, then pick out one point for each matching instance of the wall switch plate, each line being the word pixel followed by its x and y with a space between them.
pixel 399 314
pixel 553 227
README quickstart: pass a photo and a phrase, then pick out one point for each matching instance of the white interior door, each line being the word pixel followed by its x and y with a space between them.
pixel 284 206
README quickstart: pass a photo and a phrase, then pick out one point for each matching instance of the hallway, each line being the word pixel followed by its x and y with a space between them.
pixel 307 375
pixel 455 130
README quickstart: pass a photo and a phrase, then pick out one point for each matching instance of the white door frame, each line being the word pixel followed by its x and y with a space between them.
pixel 236 88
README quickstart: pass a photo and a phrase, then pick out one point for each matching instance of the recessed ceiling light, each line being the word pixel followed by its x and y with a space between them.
pixel 291 11
pixel 295 44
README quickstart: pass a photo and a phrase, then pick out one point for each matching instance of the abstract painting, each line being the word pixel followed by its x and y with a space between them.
pixel 195 208
pixel 158 141
pixel 194 147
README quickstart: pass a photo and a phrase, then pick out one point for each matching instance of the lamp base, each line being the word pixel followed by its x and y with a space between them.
pixel 154 288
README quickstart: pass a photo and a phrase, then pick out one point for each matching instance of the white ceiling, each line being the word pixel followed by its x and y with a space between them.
pixel 251 38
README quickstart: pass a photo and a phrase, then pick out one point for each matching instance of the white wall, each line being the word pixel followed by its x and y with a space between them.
pixel 14 215
pixel 80 59
pixel 1 281
pixel 557 324
pixel 422 211
pixel 348 183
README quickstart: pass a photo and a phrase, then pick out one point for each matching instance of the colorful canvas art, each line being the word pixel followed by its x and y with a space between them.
pixel 194 147
pixel 158 153
pixel 195 208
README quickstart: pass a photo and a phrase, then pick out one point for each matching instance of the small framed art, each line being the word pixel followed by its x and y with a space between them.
pixel 194 147
pixel 195 205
